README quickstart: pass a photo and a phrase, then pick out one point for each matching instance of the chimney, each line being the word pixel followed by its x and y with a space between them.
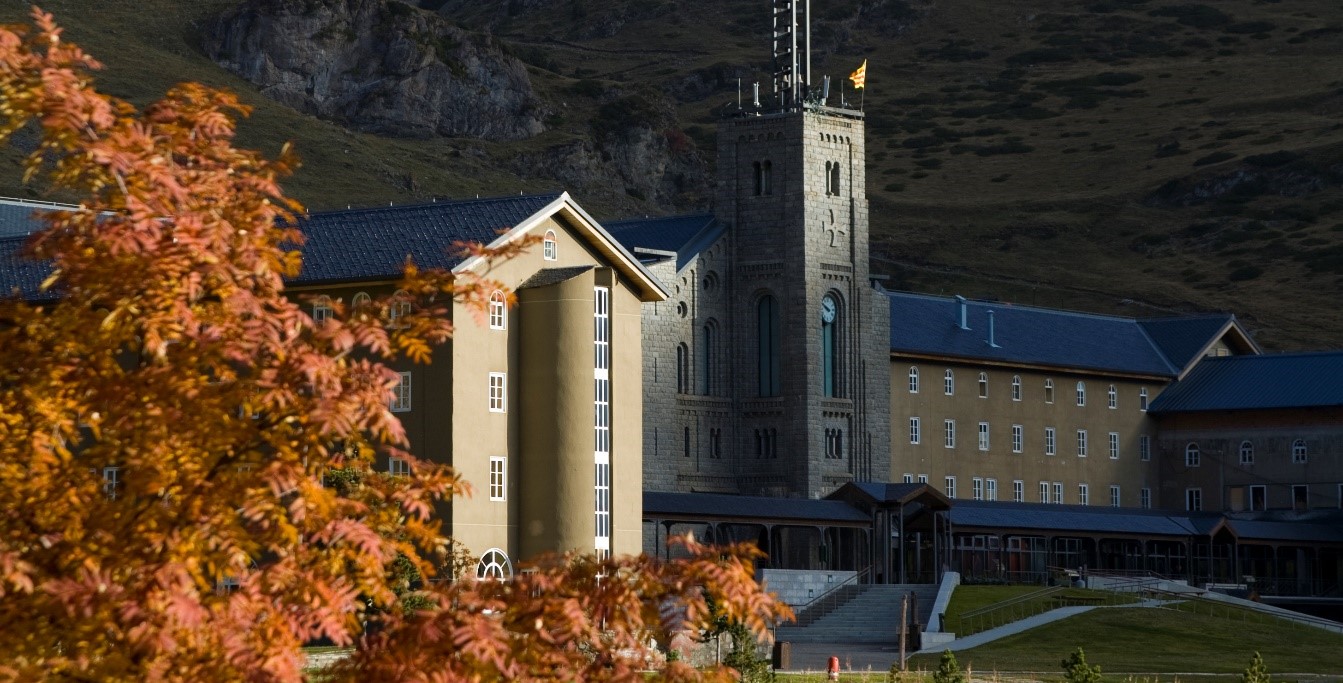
pixel 961 313
pixel 992 343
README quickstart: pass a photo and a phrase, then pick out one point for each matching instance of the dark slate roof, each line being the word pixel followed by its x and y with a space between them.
pixel 372 244
pixel 549 276
pixel 17 219
pixel 685 235
pixel 1079 518
pixel 666 504
pixel 925 324
pixel 884 492
pixel 1286 380
pixel 1262 530
pixel 1181 339
pixel 21 273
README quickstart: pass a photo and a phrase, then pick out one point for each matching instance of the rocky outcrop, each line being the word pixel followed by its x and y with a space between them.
pixel 380 66
pixel 1249 180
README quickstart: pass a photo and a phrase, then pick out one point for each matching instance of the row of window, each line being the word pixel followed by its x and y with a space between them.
pixel 400 401
pixel 1193 456
pixel 949 388
pixel 1019 437
pixel 1049 492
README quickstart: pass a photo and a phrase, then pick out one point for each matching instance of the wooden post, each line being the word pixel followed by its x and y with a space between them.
pixel 904 627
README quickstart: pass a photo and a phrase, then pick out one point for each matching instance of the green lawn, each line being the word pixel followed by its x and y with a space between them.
pixel 970 598
pixel 1140 640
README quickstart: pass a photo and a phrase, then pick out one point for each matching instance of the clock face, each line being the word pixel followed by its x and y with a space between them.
pixel 828 309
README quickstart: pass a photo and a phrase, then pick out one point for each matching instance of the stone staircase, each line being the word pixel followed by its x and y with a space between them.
pixel 867 614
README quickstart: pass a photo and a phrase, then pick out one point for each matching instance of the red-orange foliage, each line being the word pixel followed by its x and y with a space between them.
pixel 174 355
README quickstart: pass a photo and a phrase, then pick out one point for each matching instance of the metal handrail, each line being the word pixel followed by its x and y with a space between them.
pixel 1025 597
pixel 1292 616
pixel 826 602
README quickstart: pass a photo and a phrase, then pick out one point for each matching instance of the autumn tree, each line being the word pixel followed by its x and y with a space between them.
pixel 167 416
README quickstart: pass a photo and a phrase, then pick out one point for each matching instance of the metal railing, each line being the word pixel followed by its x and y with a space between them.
pixel 1028 605
pixel 830 600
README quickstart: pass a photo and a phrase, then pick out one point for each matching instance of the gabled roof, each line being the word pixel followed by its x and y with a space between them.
pixel 1079 518
pixel 695 506
pixel 1286 380
pixel 1184 339
pixel 885 493
pixel 685 235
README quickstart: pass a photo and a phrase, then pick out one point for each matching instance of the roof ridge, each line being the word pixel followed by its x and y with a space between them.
pixel 430 204
pixel 1275 355
pixel 679 216
pixel 1014 306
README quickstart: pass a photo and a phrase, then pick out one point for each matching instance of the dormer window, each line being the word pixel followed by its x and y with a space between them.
pixel 550 247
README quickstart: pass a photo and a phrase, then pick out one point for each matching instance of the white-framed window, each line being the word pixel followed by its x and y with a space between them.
pixel 913 379
pixel 949 433
pixel 1145 498
pixel 498 392
pixel 498 311
pixel 1044 492
pixel 494 565
pixel 1192 457
pixel 915 430
pixel 1081 443
pixel 321 310
pixel 949 383
pixel 1083 494
pixel 1193 499
pixel 1112 397
pixel 549 246
pixel 112 482
pixel 1049 391
pixel 1051 442
pixel 1246 453
pixel 990 489
pixel 398 308
pixel 908 478
pixel 923 479
pixel 400 402
pixel 361 301
pixel 950 486
pixel 601 456
pixel 1142 399
pixel 398 467
pixel 1016 387
pixel 1018 491
pixel 1114 445
pixel 1144 447
pixel 983 436
pixel 1058 493
pixel 983 385
pixel 1018 438
pixel 977 488
pixel 1299 452
pixel 1114 495
pixel 1081 393
pixel 1259 496
pixel 498 477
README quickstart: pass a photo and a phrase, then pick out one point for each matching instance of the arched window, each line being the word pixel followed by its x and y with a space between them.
pixel 829 346
pixel 1113 397
pixel 949 382
pixel 1246 453
pixel 550 248
pixel 768 332
pixel 682 369
pixel 321 309
pixel 1192 457
pixel 829 188
pixel 1299 451
pixel 708 337
pixel 913 379
pixel 834 179
pixel 1016 387
pixel 498 311
pixel 1049 391
pixel 398 308
pixel 360 302
pixel 1081 393
pixel 494 564
pixel 983 385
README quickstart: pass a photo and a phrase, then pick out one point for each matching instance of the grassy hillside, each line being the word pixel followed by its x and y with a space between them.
pixel 1132 156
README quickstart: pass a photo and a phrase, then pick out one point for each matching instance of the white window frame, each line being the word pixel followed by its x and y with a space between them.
pixel 1018 438
pixel 913 379
pixel 550 246
pixel 1300 452
pixel 923 479
pixel 1145 498
pixel 1112 397
pixel 498 478
pixel 397 308
pixel 1114 445
pixel 398 467
pixel 1114 496
pixel 1081 394
pixel 498 310
pixel 991 489
pixel 1051 441
pixel 1018 491
pixel 360 301
pixel 1145 447
pixel 1193 456
pixel 112 482
pixel 1081 443
pixel 949 383
pixel 949 486
pixel 908 478
pixel 498 392
pixel 1142 399
pixel 1058 493
pixel 983 436
pixel 915 430
pixel 1246 452
pixel 1193 499
pixel 1049 390
pixel 321 310
pixel 983 385
pixel 401 394
pixel 1044 492
pixel 949 433
pixel 1016 387
pixel 1083 494
pixel 977 488
pixel 603 513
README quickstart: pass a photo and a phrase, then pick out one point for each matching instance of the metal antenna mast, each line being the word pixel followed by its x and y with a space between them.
pixel 792 50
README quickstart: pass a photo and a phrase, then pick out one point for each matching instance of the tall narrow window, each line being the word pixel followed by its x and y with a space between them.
pixel 1018 437
pixel 1192 457
pixel 1044 492
pixel 1081 393
pixel 913 380
pixel 990 489
pixel 949 433
pixel 1049 391
pixel 829 187
pixel 1018 491
pixel 1144 447
pixel 498 392
pixel 1114 445
pixel 112 482
pixel 498 477
pixel 1112 397
pixel 708 337
pixel 321 309
pixel 1058 493
pixel 950 486
pixel 1193 499
pixel 914 430
pixel 1081 443
pixel 829 346
pixel 949 383
pixel 766 177
pixel 400 402
pixel 983 385
pixel 683 383
pixel 1114 495
pixel 498 311
pixel 983 436
pixel 834 179
pixel 758 174
pixel 550 247
pixel 601 375
pixel 977 488
pixel 1246 453
pixel 1050 443
pixel 398 308
pixel 1016 387
pixel 1299 451
pixel 1083 494
pixel 1142 399
pixel 1145 498
pixel 768 333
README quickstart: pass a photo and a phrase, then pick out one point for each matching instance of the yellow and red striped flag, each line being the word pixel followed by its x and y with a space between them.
pixel 859 77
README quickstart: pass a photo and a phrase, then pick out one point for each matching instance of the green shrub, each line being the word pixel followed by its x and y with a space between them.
pixel 948 670
pixel 1076 669
pixel 1257 672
